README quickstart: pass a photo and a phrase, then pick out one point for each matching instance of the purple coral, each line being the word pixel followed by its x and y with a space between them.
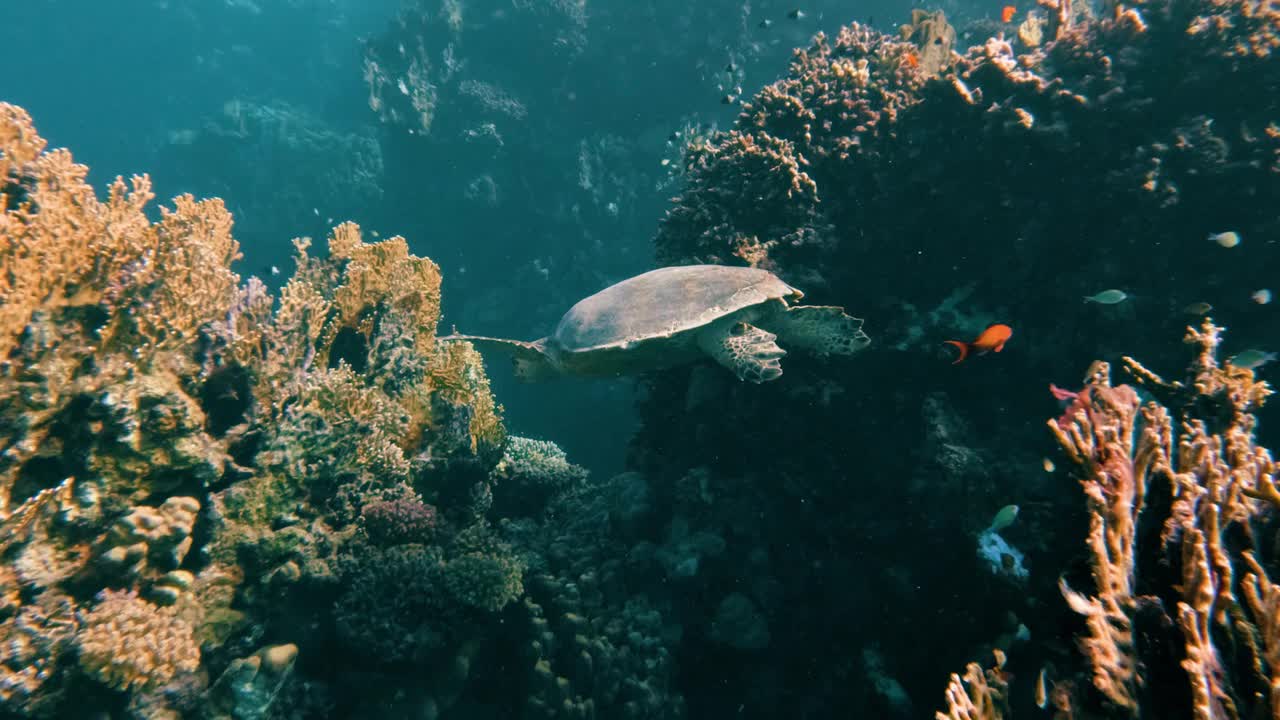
pixel 399 521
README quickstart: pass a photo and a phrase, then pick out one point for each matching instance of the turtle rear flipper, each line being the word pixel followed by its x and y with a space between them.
pixel 748 351
pixel 529 359
pixel 819 329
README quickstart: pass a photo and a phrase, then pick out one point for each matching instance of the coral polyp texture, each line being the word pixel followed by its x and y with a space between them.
pixel 128 643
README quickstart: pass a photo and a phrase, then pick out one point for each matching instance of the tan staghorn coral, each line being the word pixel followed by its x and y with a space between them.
pixel 128 643
pixel 1208 489
pixel 979 695
pixel 1098 433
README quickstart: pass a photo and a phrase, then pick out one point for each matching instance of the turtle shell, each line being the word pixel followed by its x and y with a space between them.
pixel 664 303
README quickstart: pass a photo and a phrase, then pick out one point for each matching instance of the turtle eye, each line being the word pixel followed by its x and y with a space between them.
pixel 738 329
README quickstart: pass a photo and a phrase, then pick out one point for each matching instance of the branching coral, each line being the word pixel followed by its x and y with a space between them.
pixel 1213 490
pixel 398 521
pixel 979 695
pixel 85 284
pixel 63 253
pixel 487 582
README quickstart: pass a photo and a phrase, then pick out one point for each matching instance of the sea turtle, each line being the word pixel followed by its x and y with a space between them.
pixel 673 315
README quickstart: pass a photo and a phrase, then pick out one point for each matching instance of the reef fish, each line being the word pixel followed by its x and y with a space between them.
pixel 1107 297
pixel 1262 297
pixel 1004 518
pixel 990 340
pixel 1007 12
pixel 1227 239
pixel 1252 359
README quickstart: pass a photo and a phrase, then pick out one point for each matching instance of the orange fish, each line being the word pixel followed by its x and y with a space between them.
pixel 990 340
pixel 1007 12
pixel 912 60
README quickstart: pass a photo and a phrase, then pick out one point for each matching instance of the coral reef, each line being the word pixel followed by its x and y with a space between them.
pixel 230 507
pixel 936 193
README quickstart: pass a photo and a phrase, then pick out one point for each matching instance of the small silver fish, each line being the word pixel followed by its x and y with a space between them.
pixel 1262 297
pixel 1252 359
pixel 1107 297
pixel 1197 308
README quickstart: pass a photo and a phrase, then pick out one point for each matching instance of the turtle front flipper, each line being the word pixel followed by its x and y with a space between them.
pixel 818 329
pixel 748 351
pixel 529 359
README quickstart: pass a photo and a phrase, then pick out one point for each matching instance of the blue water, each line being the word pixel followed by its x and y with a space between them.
pixel 678 543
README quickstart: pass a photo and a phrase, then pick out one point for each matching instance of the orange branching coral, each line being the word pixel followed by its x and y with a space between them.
pixel 1097 433
pixel 128 643
pixel 63 252
pixel 1263 597
pixel 1225 393
pixel 384 273
pixel 1221 493
pixel 979 695
pixel 359 288
pixel 99 305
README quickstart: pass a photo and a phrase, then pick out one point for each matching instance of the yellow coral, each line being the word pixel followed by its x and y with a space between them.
pixel 128 643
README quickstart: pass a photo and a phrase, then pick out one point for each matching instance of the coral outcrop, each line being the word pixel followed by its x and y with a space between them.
pixel 936 193
pixel 222 502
